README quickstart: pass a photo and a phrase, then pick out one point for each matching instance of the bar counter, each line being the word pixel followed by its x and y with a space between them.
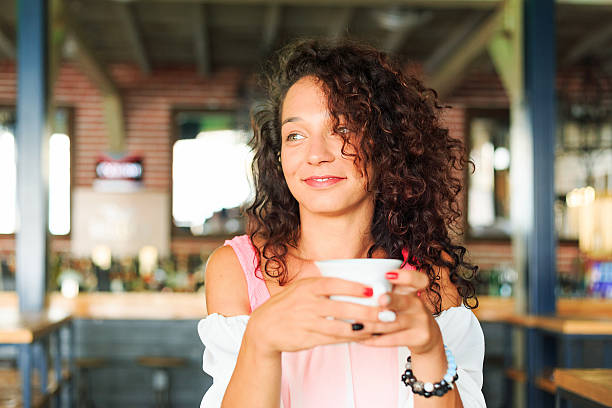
pixel 169 306
pixel 123 306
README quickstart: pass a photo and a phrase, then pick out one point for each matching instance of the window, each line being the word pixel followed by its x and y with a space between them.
pixel 59 173
pixel 210 174
pixel 8 173
pixel 488 186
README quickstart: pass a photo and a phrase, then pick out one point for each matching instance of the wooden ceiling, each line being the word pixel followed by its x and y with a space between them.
pixel 232 33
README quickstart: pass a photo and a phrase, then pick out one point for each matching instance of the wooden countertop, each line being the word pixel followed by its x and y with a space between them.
pixel 574 316
pixel 496 309
pixel 565 325
pixel 22 328
pixel 169 306
pixel 593 384
pixel 119 306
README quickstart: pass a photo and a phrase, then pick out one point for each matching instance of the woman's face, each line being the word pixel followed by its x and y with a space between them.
pixel 321 179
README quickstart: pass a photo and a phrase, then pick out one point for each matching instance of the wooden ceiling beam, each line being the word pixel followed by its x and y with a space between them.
pixel 486 4
pixel 134 36
pixel 271 25
pixel 90 63
pixel 454 40
pixel 397 37
pixel 56 45
pixel 7 44
pixel 340 28
pixel 589 42
pixel 430 4
pixel 201 40
pixel 447 75
pixel 586 2
pixel 95 70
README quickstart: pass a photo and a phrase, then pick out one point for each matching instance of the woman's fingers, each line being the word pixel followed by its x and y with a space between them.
pixel 346 310
pixel 398 301
pixel 407 285
pixel 402 322
pixel 390 339
pixel 411 279
pixel 335 286
pixel 339 329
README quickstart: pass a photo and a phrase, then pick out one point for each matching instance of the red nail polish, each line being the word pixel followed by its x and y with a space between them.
pixel 391 275
pixel 368 292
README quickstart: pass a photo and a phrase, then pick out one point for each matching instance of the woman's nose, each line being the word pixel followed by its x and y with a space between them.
pixel 320 150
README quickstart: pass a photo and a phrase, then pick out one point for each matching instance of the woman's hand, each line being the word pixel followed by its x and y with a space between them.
pixel 414 325
pixel 415 328
pixel 297 317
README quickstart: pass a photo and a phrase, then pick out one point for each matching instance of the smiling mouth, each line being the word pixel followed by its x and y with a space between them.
pixel 323 181
pixel 324 178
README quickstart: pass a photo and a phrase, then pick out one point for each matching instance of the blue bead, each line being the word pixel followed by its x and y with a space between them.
pixel 448 378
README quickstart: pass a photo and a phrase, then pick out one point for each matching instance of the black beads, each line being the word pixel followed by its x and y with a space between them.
pixel 439 389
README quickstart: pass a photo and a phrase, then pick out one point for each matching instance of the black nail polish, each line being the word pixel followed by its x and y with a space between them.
pixel 357 326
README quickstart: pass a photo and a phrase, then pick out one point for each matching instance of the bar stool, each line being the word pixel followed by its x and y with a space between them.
pixel 161 376
pixel 84 366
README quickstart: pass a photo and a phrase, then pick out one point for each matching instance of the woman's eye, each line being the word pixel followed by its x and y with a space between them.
pixel 343 130
pixel 294 136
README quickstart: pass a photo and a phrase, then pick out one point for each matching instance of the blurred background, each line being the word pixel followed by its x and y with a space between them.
pixel 123 165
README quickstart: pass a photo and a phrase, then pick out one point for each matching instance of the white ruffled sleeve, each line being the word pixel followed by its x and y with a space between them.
pixel 463 335
pixel 222 337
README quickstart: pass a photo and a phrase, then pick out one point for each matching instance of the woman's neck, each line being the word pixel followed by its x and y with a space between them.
pixel 334 237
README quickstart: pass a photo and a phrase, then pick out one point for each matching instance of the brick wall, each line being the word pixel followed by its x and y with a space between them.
pixel 148 105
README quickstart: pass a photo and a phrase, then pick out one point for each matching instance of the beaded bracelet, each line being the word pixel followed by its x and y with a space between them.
pixel 428 389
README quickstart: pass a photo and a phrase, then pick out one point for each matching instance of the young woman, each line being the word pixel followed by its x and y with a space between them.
pixel 350 162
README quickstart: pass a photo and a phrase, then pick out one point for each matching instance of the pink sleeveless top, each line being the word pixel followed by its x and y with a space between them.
pixel 338 376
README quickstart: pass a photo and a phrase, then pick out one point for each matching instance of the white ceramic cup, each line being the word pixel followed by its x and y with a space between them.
pixel 369 271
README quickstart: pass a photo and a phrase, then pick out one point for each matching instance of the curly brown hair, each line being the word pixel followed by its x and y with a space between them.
pixel 415 165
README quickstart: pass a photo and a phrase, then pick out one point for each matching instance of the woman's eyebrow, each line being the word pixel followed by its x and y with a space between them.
pixel 292 119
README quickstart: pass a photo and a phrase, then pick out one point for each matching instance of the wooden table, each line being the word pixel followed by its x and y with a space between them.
pixel 29 332
pixel 558 335
pixel 570 330
pixel 568 325
pixel 591 387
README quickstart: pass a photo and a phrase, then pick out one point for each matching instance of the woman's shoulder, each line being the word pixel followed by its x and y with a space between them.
pixel 460 329
pixel 225 283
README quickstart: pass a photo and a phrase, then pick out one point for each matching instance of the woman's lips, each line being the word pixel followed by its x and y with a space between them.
pixel 323 181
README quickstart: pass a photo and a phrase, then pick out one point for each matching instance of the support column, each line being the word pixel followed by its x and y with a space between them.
pixel 506 49
pixel 524 56
pixel 32 154
pixel 540 74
